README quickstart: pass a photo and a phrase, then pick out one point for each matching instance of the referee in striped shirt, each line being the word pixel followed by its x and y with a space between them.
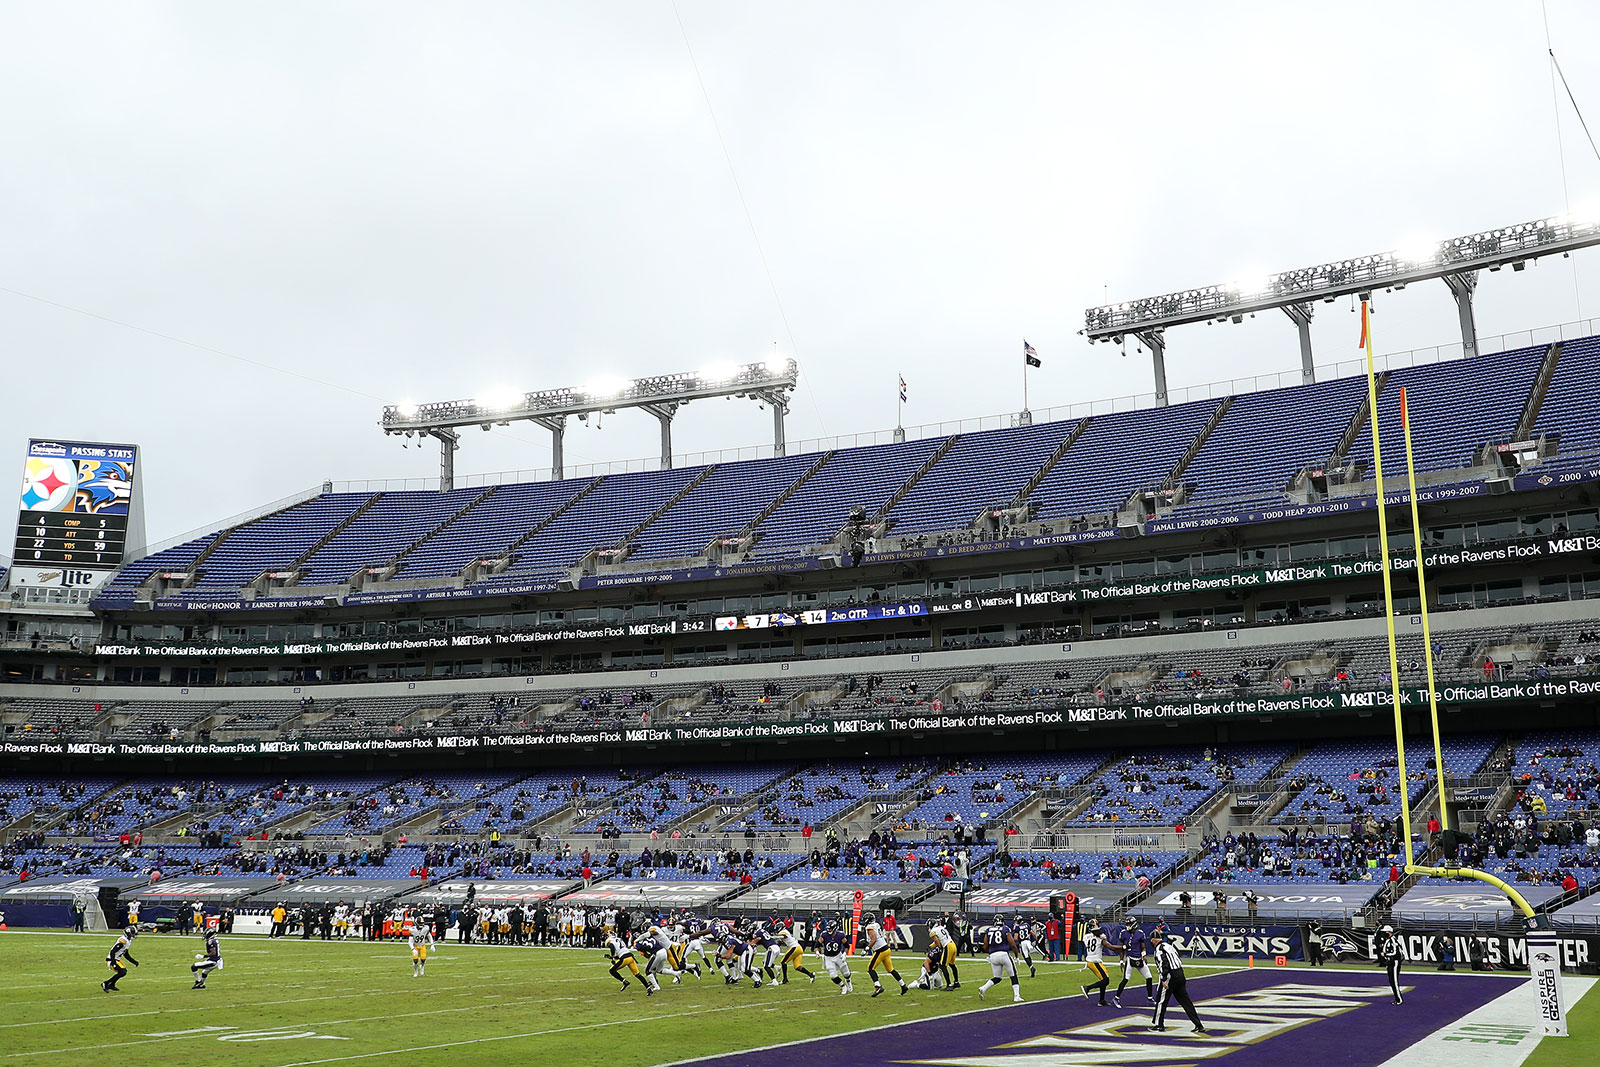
pixel 1173 983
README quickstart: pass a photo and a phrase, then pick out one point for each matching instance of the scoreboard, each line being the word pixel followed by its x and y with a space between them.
pixel 74 513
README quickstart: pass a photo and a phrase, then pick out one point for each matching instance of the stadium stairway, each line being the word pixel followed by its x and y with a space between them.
pixel 1049 464
pixel 1541 386
pixel 397 562
pixel 917 476
pixel 509 555
pixel 810 472
pixel 1175 479
pixel 689 487
pixel 1358 425
pixel 317 546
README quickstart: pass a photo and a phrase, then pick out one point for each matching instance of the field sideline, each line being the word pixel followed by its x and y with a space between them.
pixel 294 1003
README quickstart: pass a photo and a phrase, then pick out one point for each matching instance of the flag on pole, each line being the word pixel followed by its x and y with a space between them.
pixel 1363 343
pixel 902 388
pixel 1029 355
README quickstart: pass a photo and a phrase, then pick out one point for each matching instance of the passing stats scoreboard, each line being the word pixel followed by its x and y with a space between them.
pixel 79 513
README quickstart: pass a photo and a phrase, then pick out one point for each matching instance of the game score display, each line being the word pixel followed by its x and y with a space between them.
pixel 74 506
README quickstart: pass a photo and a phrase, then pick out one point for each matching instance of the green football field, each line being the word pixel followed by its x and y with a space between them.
pixel 294 1003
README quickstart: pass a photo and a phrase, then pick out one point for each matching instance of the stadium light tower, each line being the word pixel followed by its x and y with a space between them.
pixel 770 382
pixel 1457 262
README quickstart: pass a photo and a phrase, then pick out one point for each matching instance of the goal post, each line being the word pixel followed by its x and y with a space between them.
pixel 1543 957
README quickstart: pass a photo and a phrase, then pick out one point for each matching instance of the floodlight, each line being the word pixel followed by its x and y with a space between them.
pixel 406 409
pixel 1253 283
pixel 604 385
pixel 1417 250
pixel 776 365
pixel 498 398
pixel 721 371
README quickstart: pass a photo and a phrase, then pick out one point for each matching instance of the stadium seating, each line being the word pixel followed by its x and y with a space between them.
pixel 1117 455
pixel 1247 462
pixel 1456 407
pixel 981 470
pixel 274 542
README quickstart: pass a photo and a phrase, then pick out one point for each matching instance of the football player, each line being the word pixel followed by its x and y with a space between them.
pixel 836 955
pixel 791 954
pixel 623 959
pixel 122 950
pixel 420 939
pixel 876 946
pixel 1134 962
pixel 1025 940
pixel 1000 942
pixel 945 937
pixel 207 961
pixel 1093 957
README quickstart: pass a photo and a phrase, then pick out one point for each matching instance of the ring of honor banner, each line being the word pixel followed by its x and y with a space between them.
pixel 77 514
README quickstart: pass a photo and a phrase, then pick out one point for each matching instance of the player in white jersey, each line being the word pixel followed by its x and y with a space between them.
pixel 420 940
pixel 623 959
pixel 877 950
pixel 341 920
pixel 1094 944
pixel 791 955
pixel 935 968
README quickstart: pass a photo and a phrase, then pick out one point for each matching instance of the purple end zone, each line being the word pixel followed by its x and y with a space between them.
pixel 1256 1018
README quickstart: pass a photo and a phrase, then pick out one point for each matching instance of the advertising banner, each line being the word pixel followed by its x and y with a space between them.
pixel 1032 897
pixel 652 894
pixel 494 890
pixel 1331 901
pixel 820 895
pixel 332 890
pixel 206 890
pixel 916 723
pixel 1544 963
pixel 1232 941
pixel 1499 951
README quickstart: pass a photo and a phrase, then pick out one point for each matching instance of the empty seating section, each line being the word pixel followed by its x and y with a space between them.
pixel 523 802
pixel 986 790
pixel 274 542
pixel 720 506
pixel 1455 407
pixel 178 558
pixel 852 477
pixel 393 523
pixel 1108 867
pixel 1118 454
pixel 489 528
pixel 1568 408
pixel 1347 782
pixel 600 520
pixel 660 802
pixel 1166 786
pixel 406 800
pixel 1265 439
pixel 821 793
pixel 980 470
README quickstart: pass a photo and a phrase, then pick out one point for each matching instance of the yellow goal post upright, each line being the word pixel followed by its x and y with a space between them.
pixel 1543 954
pixel 1411 867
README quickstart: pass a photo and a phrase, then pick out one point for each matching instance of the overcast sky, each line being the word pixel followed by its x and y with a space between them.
pixel 422 201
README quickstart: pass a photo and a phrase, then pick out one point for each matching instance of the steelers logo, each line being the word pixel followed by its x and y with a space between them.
pixel 48 484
